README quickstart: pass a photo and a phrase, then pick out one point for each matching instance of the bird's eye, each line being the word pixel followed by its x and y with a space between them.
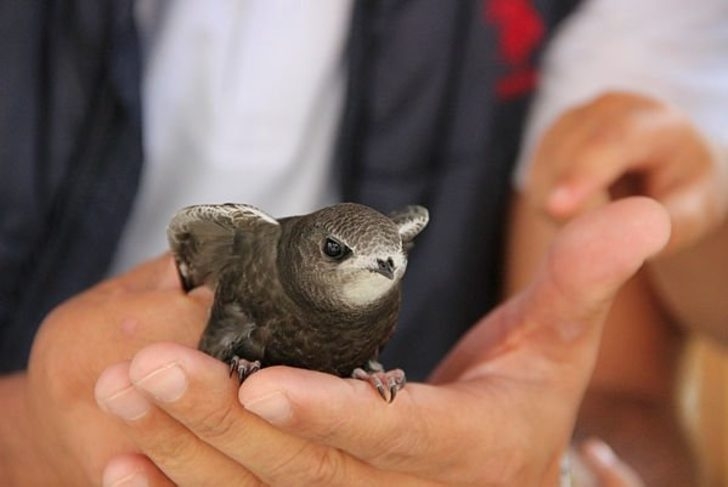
pixel 334 249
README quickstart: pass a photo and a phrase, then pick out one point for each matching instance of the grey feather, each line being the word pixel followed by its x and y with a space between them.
pixel 410 220
pixel 205 238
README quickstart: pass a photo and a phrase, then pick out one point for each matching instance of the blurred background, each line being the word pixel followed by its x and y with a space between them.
pixel 705 408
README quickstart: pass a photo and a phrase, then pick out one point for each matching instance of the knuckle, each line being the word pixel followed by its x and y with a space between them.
pixel 172 453
pixel 401 441
pixel 602 141
pixel 327 468
pixel 596 143
pixel 419 441
pixel 325 431
pixel 313 465
pixel 217 423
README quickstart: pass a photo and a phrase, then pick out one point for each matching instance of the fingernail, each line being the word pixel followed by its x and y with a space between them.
pixel 601 452
pixel 166 384
pixel 134 479
pixel 273 407
pixel 128 404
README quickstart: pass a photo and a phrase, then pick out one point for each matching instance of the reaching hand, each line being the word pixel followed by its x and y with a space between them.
pixel 628 144
pixel 500 408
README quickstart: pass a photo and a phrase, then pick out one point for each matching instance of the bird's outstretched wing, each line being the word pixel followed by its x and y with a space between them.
pixel 410 221
pixel 205 239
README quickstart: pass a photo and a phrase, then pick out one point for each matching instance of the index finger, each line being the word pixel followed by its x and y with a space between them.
pixel 406 436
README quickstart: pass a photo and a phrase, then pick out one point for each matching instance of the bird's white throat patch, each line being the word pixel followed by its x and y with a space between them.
pixel 367 288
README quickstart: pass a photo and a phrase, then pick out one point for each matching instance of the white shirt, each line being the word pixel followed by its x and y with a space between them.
pixel 242 100
pixel 243 97
pixel 673 50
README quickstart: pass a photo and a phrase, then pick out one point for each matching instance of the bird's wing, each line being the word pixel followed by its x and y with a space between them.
pixel 410 220
pixel 206 238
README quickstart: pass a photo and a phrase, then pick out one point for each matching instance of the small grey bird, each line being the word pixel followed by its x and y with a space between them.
pixel 318 291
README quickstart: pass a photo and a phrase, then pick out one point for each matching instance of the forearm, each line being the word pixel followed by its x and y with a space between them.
pixel 643 431
pixel 19 461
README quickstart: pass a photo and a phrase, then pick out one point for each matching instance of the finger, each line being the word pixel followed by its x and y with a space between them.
pixel 196 390
pixel 584 129
pixel 592 170
pixel 550 157
pixel 608 138
pixel 159 273
pixel 606 467
pixel 559 315
pixel 133 470
pixel 183 457
pixel 426 431
pixel 617 144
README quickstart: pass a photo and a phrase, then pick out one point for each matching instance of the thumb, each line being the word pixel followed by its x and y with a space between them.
pixel 159 273
pixel 559 316
pixel 587 264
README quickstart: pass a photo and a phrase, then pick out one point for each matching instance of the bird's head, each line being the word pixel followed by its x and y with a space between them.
pixel 347 255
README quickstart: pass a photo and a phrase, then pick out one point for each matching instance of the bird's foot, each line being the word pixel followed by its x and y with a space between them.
pixel 387 383
pixel 244 368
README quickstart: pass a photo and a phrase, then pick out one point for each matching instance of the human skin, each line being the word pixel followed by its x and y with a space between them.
pixel 630 401
pixel 622 144
pixel 51 431
pixel 147 306
pixel 499 410
pixel 616 145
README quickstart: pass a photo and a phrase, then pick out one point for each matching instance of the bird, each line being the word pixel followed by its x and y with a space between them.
pixel 319 291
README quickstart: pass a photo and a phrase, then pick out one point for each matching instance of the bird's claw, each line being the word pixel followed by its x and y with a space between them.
pixel 244 368
pixel 386 383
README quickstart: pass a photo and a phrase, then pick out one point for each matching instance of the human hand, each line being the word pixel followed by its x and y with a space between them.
pixel 104 325
pixel 500 408
pixel 628 144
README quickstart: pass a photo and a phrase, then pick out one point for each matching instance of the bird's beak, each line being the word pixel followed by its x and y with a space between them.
pixel 385 268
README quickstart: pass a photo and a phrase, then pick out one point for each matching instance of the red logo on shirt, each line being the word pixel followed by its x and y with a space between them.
pixel 520 31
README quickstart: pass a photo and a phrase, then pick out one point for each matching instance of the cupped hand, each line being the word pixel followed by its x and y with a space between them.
pixel 629 144
pixel 80 338
pixel 499 410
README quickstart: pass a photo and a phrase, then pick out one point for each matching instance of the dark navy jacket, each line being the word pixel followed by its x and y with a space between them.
pixel 436 97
